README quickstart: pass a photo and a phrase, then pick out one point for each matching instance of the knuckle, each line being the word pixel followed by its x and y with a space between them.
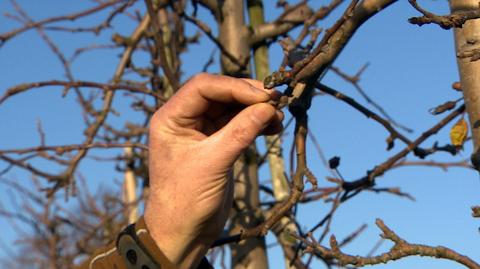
pixel 157 119
pixel 156 116
pixel 200 78
pixel 154 119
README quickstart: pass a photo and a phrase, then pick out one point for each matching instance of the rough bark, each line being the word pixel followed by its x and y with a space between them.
pixel 340 38
pixel 249 253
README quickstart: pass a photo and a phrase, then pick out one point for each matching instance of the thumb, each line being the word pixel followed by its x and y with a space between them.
pixel 242 130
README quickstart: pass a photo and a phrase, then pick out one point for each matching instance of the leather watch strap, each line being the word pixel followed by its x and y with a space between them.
pixel 134 248
pixel 139 250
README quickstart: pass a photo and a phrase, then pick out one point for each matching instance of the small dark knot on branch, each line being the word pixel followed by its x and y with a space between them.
pixel 476 211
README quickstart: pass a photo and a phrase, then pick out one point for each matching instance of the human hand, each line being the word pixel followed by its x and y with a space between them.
pixel 194 140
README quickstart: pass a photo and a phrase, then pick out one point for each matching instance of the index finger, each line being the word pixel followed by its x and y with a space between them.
pixel 195 97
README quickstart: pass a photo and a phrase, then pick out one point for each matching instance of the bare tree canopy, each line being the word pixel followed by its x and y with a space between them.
pixel 378 161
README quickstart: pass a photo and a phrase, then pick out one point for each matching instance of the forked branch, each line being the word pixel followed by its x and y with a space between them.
pixel 400 249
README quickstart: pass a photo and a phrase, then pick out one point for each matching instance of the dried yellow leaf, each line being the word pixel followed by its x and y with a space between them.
pixel 458 133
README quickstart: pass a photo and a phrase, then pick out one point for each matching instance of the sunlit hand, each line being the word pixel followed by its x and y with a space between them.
pixel 194 140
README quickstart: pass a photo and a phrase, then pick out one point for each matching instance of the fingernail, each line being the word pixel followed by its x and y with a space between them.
pixel 280 115
pixel 275 95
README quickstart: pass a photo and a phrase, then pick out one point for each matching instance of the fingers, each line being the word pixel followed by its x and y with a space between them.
pixel 274 94
pixel 275 126
pixel 242 130
pixel 195 97
pixel 257 84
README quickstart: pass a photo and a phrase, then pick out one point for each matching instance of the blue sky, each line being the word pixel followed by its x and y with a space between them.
pixel 411 70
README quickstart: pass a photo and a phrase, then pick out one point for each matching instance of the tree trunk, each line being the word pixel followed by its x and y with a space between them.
pixel 250 253
pixel 130 188
pixel 273 143
pixel 167 38
pixel 468 38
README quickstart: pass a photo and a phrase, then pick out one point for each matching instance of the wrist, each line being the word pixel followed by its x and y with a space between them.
pixel 182 250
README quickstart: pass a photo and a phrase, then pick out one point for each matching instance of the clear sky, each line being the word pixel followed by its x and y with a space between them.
pixel 411 70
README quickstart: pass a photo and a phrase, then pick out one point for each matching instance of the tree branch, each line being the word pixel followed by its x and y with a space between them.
pixel 400 250
pixel 447 22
